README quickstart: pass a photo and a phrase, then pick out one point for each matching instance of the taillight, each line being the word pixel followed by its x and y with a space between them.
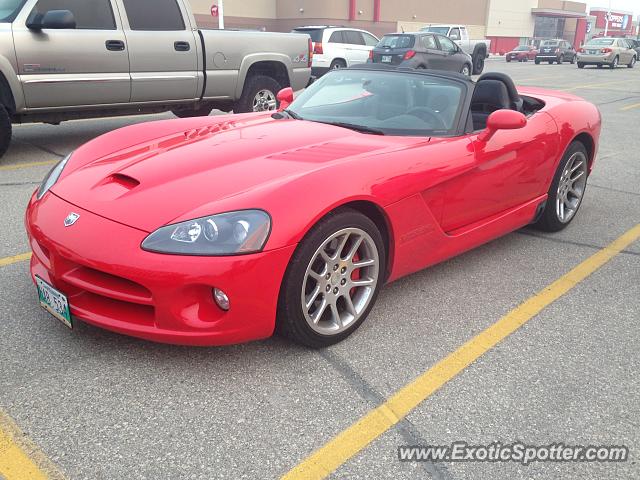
pixel 317 49
pixel 581 50
pixel 370 54
pixel 606 50
pixel 410 54
pixel 310 52
pixel 557 50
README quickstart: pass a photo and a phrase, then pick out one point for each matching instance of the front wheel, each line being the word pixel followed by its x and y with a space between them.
pixel 332 281
pixel 466 70
pixel 258 95
pixel 567 190
pixel 5 130
pixel 573 59
pixel 561 60
pixel 632 63
pixel 537 62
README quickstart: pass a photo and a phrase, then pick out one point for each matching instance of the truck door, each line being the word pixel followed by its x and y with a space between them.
pixel 164 50
pixel 83 65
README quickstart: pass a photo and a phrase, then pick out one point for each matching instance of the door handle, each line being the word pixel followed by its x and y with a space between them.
pixel 114 45
pixel 181 46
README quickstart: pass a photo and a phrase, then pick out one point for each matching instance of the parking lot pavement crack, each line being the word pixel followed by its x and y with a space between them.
pixel 44 149
pixel 367 392
pixel 570 242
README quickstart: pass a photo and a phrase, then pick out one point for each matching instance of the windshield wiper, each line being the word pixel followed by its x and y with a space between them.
pixel 357 128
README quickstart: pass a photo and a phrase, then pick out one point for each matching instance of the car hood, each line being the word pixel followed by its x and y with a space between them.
pixel 163 180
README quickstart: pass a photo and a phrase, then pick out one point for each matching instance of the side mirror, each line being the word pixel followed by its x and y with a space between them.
pixel 285 98
pixel 53 19
pixel 502 120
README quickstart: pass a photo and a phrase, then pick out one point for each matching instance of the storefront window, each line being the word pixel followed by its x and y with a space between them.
pixel 549 27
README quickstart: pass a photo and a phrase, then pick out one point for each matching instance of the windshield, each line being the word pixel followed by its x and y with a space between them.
pixel 388 103
pixel 441 30
pixel 396 41
pixel 600 41
pixel 314 33
pixel 521 48
pixel 9 9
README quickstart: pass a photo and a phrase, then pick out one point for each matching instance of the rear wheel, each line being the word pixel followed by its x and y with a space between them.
pixel 478 62
pixel 580 65
pixel 332 281
pixel 551 62
pixel 599 65
pixel 337 64
pixel 258 95
pixel 561 59
pixel 5 130
pixel 632 63
pixel 567 190
pixel 614 64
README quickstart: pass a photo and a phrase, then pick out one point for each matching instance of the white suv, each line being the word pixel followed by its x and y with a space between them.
pixel 338 47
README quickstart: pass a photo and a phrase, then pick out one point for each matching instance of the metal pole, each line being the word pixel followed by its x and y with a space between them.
pixel 606 26
pixel 221 14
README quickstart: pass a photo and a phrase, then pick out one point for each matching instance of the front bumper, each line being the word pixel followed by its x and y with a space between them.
pixel 113 284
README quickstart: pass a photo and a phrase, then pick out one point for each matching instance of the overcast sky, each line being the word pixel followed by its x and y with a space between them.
pixel 627 5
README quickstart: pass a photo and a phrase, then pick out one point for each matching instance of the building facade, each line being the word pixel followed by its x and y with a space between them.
pixel 506 22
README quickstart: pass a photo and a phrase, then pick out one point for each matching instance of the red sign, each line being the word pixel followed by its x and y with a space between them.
pixel 214 10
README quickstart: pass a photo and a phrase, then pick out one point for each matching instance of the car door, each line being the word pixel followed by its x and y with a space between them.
pixel 511 169
pixel 357 51
pixel 432 53
pixel 85 65
pixel 164 51
pixel 449 60
pixel 337 47
pixel 626 53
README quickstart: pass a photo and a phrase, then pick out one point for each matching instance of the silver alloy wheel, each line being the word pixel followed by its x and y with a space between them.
pixel 466 71
pixel 571 187
pixel 264 101
pixel 340 281
pixel 336 66
pixel 615 63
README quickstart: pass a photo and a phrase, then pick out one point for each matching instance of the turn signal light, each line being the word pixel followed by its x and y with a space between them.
pixel 410 54
pixel 317 49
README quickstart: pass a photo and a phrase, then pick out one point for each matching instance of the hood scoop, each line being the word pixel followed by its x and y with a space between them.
pixel 114 186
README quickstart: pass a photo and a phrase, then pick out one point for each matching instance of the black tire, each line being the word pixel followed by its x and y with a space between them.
pixel 548 220
pixel 632 63
pixel 253 85
pixel 573 59
pixel 478 62
pixel 600 65
pixel 537 61
pixel 580 65
pixel 508 60
pixel 468 70
pixel 291 321
pixel 551 62
pixel 5 130
pixel 614 64
pixel 201 111
pixel 561 60
pixel 337 64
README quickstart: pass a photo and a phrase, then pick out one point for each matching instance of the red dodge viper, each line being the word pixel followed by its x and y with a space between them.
pixel 217 230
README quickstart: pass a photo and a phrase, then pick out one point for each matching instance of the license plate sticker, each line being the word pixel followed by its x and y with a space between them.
pixel 386 58
pixel 54 302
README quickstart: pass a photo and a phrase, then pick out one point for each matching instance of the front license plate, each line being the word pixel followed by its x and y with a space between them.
pixel 54 302
pixel 386 58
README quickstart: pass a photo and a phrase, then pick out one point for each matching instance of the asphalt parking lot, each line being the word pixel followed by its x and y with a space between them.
pixel 90 404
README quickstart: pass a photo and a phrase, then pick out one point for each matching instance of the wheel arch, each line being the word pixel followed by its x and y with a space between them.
pixel 6 95
pixel 589 143
pixel 340 59
pixel 278 68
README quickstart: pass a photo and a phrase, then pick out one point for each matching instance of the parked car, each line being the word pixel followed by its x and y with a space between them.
pixel 391 171
pixel 556 50
pixel 337 47
pixel 635 44
pixel 422 50
pixel 62 60
pixel 478 49
pixel 607 51
pixel 522 53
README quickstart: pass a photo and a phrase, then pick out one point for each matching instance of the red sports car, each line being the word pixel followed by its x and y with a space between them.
pixel 217 230
pixel 522 53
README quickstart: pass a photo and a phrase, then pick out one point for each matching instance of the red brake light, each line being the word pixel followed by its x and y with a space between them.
pixel 310 52
pixel 581 50
pixel 370 54
pixel 410 54
pixel 606 50
pixel 318 49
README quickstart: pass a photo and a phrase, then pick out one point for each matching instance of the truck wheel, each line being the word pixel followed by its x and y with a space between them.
pixel 201 111
pixel 478 62
pixel 5 130
pixel 258 95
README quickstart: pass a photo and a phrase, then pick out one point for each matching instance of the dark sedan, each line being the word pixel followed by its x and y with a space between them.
pixel 421 51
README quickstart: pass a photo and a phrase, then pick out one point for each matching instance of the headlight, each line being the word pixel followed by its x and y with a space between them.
pixel 52 177
pixel 232 233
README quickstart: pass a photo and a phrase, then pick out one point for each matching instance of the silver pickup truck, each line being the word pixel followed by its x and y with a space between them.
pixel 70 59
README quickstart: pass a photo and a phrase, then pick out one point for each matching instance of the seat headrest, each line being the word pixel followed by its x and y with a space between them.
pixel 516 101
pixel 491 93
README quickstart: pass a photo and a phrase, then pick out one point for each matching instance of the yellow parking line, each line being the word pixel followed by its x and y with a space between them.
pixel 355 438
pixel 592 85
pixel 18 166
pixel 629 107
pixel 15 259
pixel 20 459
